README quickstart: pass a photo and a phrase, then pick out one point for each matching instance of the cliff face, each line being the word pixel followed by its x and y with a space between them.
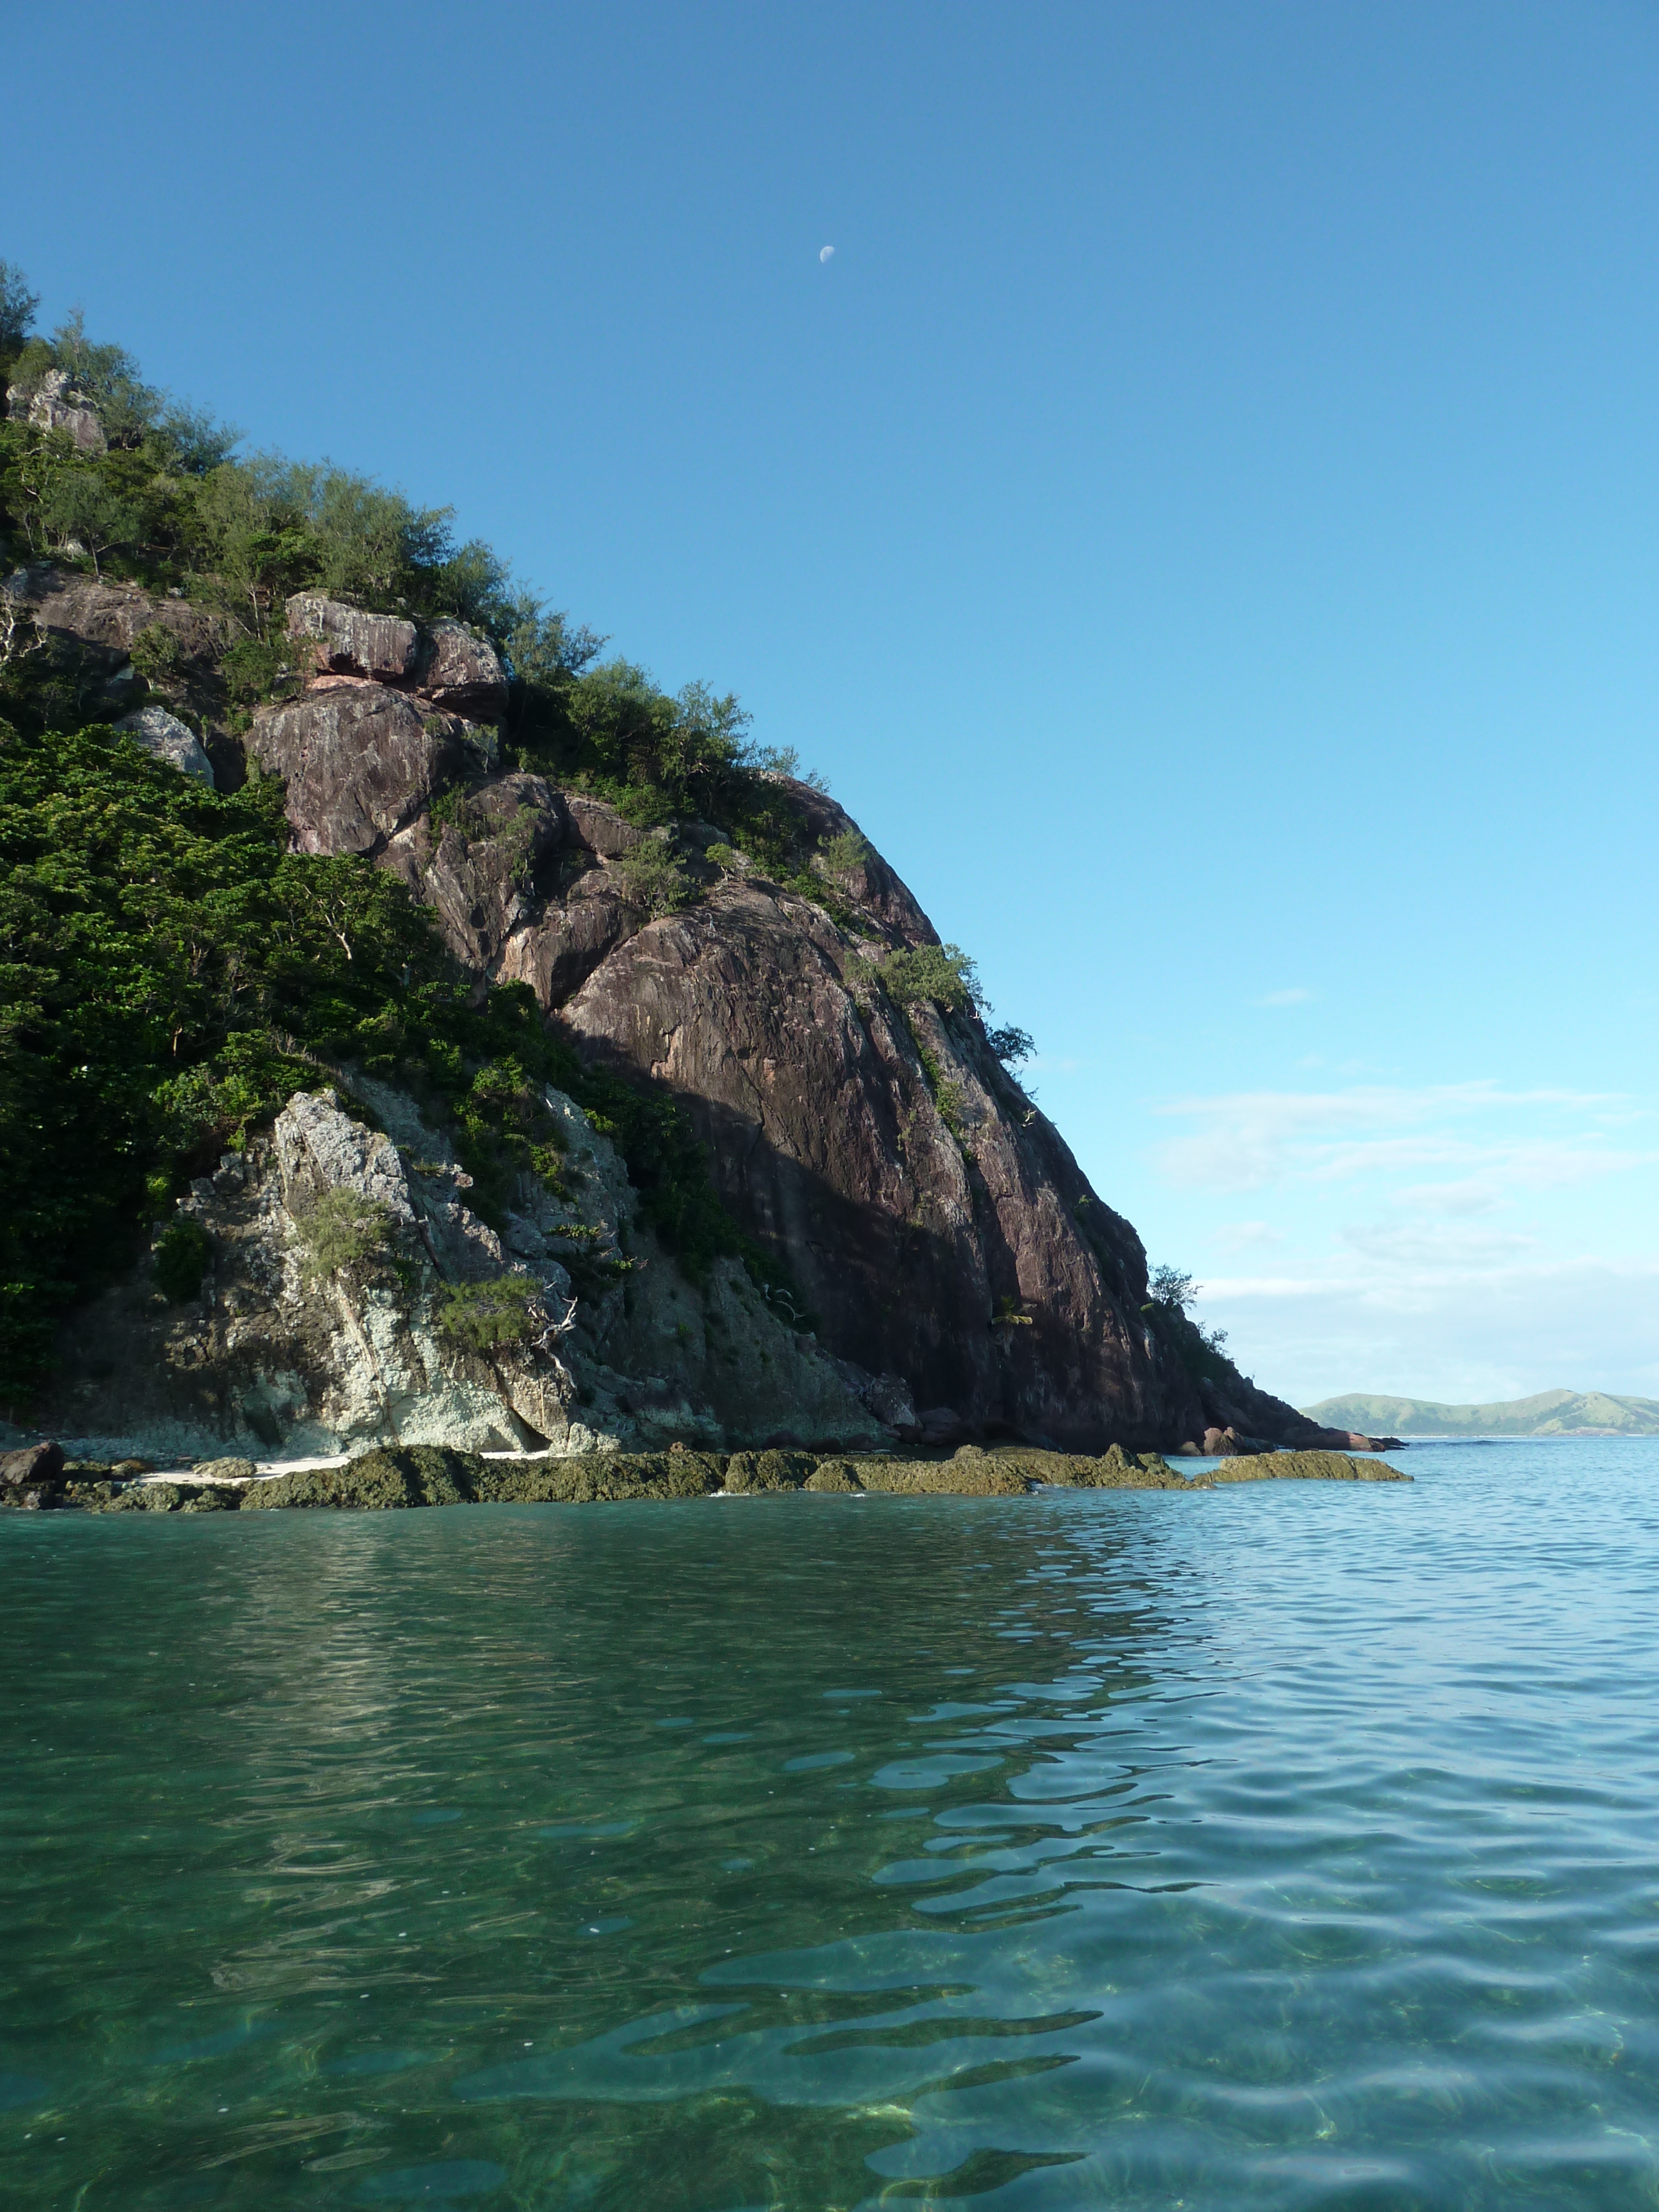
pixel 947 1269
pixel 933 1220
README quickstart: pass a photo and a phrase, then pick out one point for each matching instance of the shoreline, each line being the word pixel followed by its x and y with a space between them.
pixel 400 1476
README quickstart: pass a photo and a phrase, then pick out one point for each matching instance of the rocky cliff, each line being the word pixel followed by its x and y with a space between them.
pixel 925 1258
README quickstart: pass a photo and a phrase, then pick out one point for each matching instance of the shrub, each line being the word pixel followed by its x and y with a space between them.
pixel 155 652
pixel 841 857
pixel 181 1259
pixel 1011 1045
pixel 484 1317
pixel 941 974
pixel 721 855
pixel 343 1228
pixel 655 878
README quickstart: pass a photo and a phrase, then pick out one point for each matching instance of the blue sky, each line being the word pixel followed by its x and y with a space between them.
pixel 1199 519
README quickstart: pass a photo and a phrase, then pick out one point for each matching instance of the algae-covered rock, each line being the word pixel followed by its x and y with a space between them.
pixel 833 1474
pixel 600 1477
pixel 1307 1467
pixel 1114 1469
pixel 770 1470
pixel 158 1497
pixel 982 1476
pixel 226 1470
pixel 394 1477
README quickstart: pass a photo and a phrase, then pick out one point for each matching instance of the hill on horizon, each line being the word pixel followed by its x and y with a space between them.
pixel 1549 1413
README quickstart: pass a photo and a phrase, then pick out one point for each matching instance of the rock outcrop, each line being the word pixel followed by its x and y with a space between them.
pixel 442 662
pixel 97 619
pixel 54 404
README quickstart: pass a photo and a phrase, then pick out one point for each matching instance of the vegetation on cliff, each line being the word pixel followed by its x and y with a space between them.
pixel 170 971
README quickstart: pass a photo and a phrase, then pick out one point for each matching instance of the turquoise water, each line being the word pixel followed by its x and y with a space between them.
pixel 1282 1846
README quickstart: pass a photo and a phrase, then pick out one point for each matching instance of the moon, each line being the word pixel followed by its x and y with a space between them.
pixel 826 253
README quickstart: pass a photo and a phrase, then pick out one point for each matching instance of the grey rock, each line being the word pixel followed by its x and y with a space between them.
pixel 321 1149
pixel 169 739
pixel 32 1467
pixel 226 1470
pixel 100 619
pixel 54 405
pixel 600 827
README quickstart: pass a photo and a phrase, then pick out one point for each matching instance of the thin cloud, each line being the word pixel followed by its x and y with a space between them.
pixel 1297 996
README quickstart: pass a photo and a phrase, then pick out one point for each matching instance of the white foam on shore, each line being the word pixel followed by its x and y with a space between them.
pixel 267 1470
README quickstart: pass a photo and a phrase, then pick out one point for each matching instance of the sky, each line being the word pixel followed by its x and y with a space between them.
pixel 1199 519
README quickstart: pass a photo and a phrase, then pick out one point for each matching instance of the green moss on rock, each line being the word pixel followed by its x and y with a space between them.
pixel 394 1477
pixel 600 1477
pixel 770 1470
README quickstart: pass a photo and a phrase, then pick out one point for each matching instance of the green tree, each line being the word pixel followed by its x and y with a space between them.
pixel 18 307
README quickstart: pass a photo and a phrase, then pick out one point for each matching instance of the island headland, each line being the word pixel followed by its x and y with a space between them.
pixel 423 1031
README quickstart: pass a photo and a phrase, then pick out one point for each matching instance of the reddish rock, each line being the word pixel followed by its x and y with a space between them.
pixel 828 1143
pixel 360 762
pixel 482 874
pixel 557 953
pixel 345 641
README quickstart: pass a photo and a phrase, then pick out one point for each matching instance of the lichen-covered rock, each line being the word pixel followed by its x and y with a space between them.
pixel 169 739
pixel 988 1477
pixel 833 1474
pixel 612 1477
pixel 359 763
pixel 54 404
pixel 160 1497
pixel 225 1470
pixel 390 1478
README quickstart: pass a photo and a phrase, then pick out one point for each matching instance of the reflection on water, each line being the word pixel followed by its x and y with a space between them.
pixel 1279 1847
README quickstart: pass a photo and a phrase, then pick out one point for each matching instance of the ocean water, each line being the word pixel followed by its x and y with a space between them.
pixel 1281 1846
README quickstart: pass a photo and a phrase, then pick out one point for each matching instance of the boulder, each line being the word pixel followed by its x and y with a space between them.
pixel 599 827
pixel 35 1467
pixel 346 641
pixel 169 739
pixel 225 1470
pixel 360 762
pixel 463 674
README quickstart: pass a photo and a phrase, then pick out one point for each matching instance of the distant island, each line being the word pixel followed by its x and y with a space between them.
pixel 1550 1414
